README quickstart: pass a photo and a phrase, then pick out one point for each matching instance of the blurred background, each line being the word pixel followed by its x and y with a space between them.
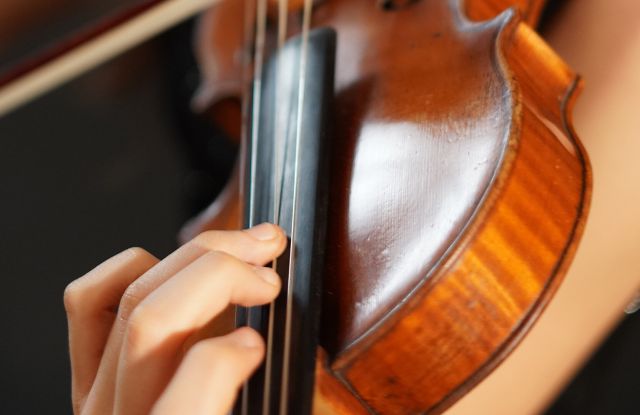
pixel 111 160
pixel 115 159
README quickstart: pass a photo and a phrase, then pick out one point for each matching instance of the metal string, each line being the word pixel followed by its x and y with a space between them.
pixel 278 174
pixel 308 4
pixel 261 25
pixel 257 95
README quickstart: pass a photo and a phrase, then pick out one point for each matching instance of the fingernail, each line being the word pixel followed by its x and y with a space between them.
pixel 263 232
pixel 248 339
pixel 268 275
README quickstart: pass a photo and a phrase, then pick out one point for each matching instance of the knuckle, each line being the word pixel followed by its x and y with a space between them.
pixel 144 327
pixel 72 297
pixel 76 292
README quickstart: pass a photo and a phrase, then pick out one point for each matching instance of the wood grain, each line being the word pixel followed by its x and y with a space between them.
pixel 462 322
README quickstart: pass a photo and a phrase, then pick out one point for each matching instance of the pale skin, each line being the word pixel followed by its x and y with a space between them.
pixel 137 325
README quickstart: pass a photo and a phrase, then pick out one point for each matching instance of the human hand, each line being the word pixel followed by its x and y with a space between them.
pixel 134 324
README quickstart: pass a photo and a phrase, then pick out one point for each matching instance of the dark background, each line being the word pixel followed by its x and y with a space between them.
pixel 115 159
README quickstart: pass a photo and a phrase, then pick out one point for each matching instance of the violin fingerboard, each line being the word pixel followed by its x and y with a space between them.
pixel 287 184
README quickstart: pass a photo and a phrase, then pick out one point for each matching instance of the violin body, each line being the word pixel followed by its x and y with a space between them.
pixel 458 193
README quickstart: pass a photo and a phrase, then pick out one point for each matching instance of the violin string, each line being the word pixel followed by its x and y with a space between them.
pixel 278 174
pixel 257 96
pixel 306 23
pixel 247 63
pixel 261 24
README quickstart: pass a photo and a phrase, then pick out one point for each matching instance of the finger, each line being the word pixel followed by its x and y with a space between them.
pixel 210 375
pixel 91 303
pixel 257 245
pixel 160 325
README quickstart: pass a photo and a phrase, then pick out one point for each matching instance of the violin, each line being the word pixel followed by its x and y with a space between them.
pixel 420 156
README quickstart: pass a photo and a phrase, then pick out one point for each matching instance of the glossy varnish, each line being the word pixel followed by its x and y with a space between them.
pixel 440 321
pixel 458 194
